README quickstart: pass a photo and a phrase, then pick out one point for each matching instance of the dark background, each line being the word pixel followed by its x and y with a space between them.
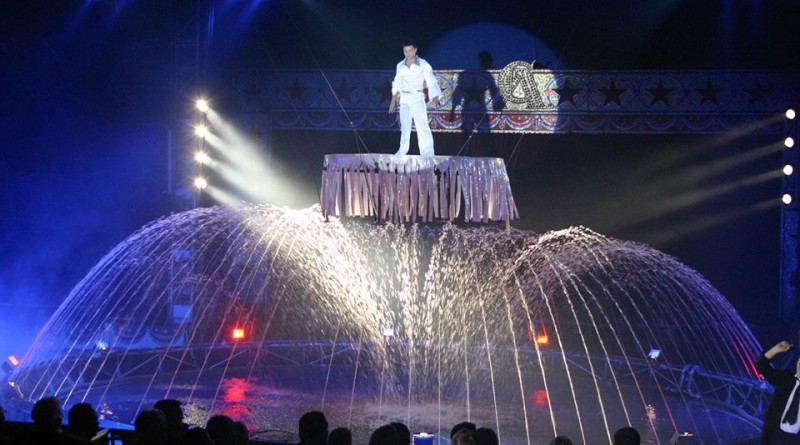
pixel 87 98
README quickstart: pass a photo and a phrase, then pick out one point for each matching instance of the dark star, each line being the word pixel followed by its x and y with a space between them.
pixel 296 91
pixel 343 91
pixel 659 93
pixel 253 93
pixel 757 93
pixel 708 93
pixel 612 93
pixel 566 93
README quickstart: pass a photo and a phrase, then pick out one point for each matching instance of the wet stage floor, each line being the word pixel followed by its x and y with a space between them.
pixel 271 404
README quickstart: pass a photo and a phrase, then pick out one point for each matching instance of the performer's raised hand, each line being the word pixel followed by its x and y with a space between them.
pixel 779 348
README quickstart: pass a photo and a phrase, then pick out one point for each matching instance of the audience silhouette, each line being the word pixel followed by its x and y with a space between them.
pixel 486 436
pixel 241 432
pixel 82 421
pixel 384 435
pixel 197 436
pixel 340 436
pixel 47 422
pixel 460 426
pixel 403 433
pixel 151 427
pixel 627 436
pixel 164 425
pixel 5 436
pixel 173 411
pixel 221 429
pixel 464 436
pixel 561 440
pixel 313 428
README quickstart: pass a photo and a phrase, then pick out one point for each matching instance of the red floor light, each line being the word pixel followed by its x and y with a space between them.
pixel 238 333
pixel 542 339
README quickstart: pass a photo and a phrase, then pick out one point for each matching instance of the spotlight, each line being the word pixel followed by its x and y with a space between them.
pixel 202 105
pixel 788 169
pixel 387 332
pixel 787 198
pixel 790 114
pixel 102 345
pixel 789 142
pixel 542 339
pixel 201 157
pixel 654 354
pixel 200 183
pixel 201 131
pixel 238 333
pixel 684 438
pixel 17 391
pixel 10 363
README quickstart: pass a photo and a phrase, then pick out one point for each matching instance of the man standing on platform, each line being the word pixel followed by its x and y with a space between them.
pixel 782 421
pixel 413 75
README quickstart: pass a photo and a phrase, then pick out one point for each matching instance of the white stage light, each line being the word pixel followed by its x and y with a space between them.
pixel 202 105
pixel 790 114
pixel 201 157
pixel 201 131
pixel 789 142
pixel 788 169
pixel 787 198
pixel 200 183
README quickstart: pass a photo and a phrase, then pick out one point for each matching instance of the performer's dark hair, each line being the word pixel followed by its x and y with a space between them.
pixel 409 43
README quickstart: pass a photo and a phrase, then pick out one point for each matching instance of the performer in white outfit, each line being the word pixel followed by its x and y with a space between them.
pixel 414 74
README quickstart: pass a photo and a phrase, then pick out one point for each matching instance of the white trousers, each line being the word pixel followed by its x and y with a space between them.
pixel 417 111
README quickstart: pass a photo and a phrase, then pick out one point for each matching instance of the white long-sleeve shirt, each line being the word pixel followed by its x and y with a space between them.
pixel 409 81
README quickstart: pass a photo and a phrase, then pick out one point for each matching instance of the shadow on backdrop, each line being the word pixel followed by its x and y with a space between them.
pixel 470 94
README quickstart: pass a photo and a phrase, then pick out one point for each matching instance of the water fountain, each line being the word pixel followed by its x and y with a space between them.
pixel 264 313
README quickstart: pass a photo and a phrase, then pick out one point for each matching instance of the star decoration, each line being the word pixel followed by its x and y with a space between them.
pixel 612 93
pixel 253 93
pixel 566 93
pixel 757 93
pixel 343 91
pixel 708 93
pixel 659 93
pixel 296 91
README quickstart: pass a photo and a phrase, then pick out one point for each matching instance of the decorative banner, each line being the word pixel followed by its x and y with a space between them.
pixel 520 99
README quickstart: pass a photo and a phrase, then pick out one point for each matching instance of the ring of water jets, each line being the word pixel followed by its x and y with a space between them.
pixel 532 335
